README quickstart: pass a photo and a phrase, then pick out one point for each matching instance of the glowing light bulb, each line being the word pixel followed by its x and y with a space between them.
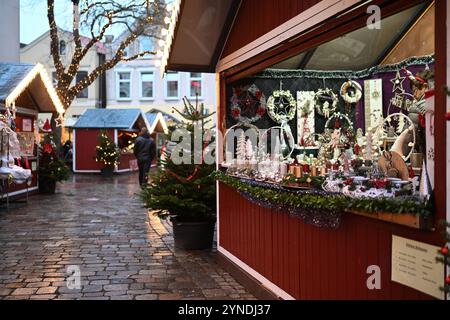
pixel 164 31
pixel 161 43
pixel 169 7
pixel 167 20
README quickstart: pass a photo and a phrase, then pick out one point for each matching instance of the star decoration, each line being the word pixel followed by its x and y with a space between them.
pixel 60 121
pixel 398 82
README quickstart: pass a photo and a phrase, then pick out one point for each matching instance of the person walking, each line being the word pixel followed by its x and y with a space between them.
pixel 145 152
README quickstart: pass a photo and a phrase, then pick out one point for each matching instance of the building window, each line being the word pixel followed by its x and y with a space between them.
pixel 84 94
pixel 195 84
pixel 62 48
pixel 145 44
pixel 123 85
pixel 147 82
pixel 172 85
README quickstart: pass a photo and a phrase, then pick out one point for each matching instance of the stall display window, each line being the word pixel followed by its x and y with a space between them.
pixel 126 141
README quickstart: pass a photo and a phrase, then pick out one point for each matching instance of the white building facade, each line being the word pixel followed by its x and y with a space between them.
pixel 10 31
pixel 138 83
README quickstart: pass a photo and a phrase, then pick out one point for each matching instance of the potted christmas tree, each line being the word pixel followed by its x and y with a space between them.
pixel 51 168
pixel 107 154
pixel 186 193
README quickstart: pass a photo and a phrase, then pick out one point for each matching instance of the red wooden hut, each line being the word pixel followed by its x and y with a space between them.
pixel 122 125
pixel 290 258
pixel 27 89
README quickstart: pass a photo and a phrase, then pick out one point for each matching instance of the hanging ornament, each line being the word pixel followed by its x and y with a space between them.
pixel 326 102
pixel 351 92
pixel 281 106
pixel 398 82
pixel 47 127
pixel 60 120
pixel 248 104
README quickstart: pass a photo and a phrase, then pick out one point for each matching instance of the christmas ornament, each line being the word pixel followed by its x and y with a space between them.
pixel 248 104
pixel 351 92
pixel 60 121
pixel 326 102
pixel 397 82
pixel 281 106
pixel 47 127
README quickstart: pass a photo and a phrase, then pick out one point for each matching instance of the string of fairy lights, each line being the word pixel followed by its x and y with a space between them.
pixel 65 76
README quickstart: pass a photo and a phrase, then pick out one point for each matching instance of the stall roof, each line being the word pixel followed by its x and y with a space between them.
pixel 110 119
pixel 203 27
pixel 356 50
pixel 28 85
pixel 156 120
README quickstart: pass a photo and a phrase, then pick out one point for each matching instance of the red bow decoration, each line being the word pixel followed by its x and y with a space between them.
pixel 258 95
pixel 48 148
pixel 447 116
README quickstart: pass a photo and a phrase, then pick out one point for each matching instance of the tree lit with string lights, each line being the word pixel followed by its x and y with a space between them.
pixel 96 19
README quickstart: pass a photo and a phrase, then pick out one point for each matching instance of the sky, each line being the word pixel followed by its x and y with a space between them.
pixel 33 18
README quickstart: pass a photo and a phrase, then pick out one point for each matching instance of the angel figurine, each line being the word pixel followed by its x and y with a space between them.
pixel 326 109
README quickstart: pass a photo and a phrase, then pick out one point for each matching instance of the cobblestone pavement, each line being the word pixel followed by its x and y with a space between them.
pixel 122 252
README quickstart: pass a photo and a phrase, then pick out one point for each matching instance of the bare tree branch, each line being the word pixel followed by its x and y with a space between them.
pixel 97 18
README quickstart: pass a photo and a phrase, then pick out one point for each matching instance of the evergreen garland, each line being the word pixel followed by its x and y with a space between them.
pixel 282 74
pixel 326 202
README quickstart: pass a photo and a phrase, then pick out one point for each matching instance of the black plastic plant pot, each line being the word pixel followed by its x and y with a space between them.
pixel 107 172
pixel 193 235
pixel 47 186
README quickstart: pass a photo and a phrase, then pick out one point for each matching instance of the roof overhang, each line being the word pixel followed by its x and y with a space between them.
pixel 197 34
pixel 38 84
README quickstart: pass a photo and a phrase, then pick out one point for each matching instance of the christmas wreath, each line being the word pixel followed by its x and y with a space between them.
pixel 248 104
pixel 281 106
pixel 351 92
pixel 322 101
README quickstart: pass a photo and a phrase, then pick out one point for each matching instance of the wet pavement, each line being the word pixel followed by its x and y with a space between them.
pixel 99 227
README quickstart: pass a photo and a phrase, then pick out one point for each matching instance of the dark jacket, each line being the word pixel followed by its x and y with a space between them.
pixel 145 148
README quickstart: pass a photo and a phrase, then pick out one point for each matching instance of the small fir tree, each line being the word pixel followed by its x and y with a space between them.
pixel 107 151
pixel 51 167
pixel 185 191
pixel 241 147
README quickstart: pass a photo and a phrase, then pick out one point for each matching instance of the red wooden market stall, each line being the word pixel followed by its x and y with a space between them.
pixel 122 126
pixel 25 91
pixel 359 103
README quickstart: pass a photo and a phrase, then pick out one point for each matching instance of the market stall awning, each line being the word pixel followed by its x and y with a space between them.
pixel 28 86
pixel 123 119
pixel 197 34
